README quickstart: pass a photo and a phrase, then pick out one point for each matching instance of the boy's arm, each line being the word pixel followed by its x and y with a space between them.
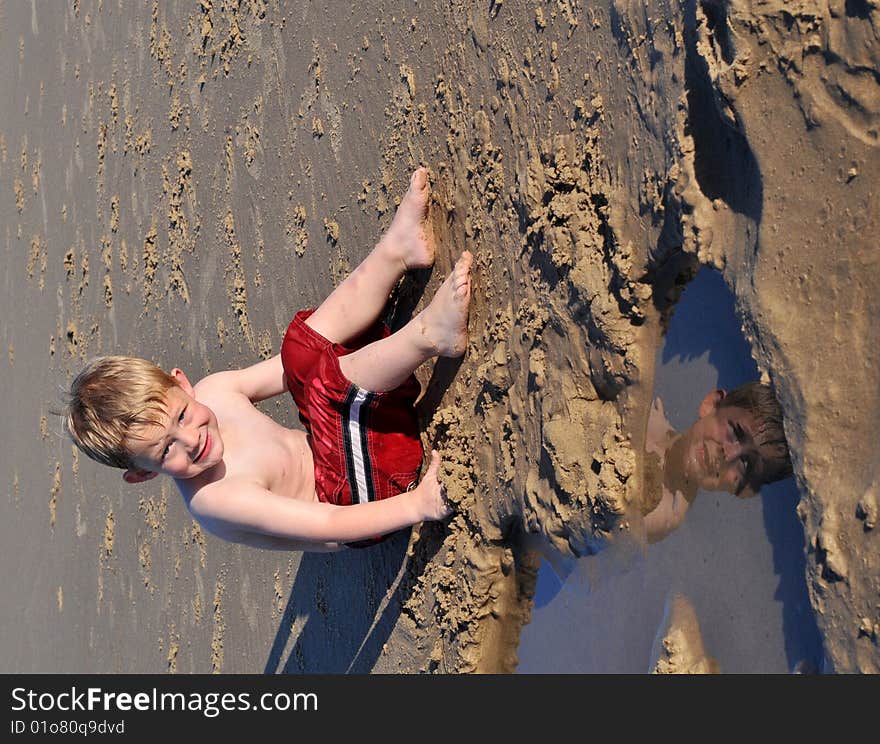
pixel 666 516
pixel 247 507
pixel 258 382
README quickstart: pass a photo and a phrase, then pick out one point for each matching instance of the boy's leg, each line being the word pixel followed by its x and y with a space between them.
pixel 439 330
pixel 356 303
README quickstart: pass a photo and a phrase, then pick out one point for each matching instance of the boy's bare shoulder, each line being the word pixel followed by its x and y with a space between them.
pixel 262 380
pixel 218 384
pixel 220 393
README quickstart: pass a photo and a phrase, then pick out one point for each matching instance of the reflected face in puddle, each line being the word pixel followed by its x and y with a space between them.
pixel 723 451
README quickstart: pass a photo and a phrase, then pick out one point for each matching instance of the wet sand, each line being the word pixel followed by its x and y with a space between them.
pixel 738 561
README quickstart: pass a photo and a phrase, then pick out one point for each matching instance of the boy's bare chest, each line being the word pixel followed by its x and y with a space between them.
pixel 259 449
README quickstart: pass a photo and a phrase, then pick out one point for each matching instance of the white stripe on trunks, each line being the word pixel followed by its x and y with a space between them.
pixel 359 485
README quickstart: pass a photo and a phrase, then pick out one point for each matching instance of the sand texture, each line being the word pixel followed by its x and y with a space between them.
pixel 678 647
pixel 178 178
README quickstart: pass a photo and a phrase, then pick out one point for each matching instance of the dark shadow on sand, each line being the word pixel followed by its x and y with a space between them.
pixel 724 164
pixel 340 593
pixel 342 596
pixel 802 638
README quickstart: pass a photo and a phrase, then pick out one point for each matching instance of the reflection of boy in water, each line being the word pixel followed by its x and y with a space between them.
pixel 736 445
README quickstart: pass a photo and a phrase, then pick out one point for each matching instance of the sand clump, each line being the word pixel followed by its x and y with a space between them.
pixel 678 648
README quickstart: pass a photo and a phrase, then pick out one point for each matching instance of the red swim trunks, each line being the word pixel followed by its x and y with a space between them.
pixel 365 445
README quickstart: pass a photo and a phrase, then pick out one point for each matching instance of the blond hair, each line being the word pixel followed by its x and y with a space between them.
pixel 109 399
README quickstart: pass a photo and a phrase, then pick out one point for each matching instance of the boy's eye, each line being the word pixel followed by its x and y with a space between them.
pixel 738 432
pixel 180 417
pixel 745 468
pixel 165 451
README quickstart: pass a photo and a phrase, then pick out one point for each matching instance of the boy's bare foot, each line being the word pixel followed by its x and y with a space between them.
pixel 410 237
pixel 444 321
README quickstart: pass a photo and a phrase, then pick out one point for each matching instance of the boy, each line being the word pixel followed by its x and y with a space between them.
pixel 247 479
pixel 736 445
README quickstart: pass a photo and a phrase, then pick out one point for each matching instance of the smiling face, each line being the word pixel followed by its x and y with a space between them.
pixel 724 450
pixel 720 454
pixel 185 444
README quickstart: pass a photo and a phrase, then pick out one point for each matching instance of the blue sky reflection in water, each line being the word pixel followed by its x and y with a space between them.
pixel 739 561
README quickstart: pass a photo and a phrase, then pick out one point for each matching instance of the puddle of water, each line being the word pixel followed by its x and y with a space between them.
pixel 739 561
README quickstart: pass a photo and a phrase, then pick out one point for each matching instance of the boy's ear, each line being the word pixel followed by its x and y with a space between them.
pixel 182 380
pixel 137 475
pixel 711 402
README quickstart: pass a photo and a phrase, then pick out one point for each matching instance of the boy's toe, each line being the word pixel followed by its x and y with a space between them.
pixel 419 178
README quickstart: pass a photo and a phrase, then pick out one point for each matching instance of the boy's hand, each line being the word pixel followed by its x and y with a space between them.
pixel 432 493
